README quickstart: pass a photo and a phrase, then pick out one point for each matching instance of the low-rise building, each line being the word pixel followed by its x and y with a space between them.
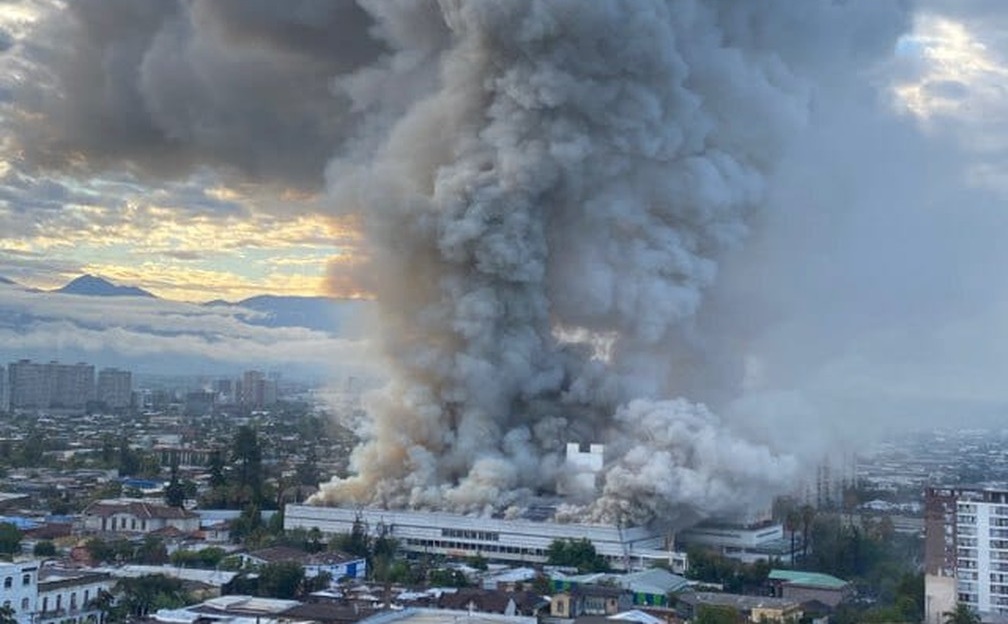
pixel 752 608
pixel 802 587
pixel 70 596
pixel 337 565
pixel 590 600
pixel 19 589
pixel 136 516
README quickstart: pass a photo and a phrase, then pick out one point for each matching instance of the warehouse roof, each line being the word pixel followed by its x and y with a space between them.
pixel 808 579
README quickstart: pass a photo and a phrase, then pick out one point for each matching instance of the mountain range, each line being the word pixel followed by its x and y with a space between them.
pixel 95 320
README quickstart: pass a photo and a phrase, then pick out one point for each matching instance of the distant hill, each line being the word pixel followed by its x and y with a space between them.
pixel 98 287
pixel 341 317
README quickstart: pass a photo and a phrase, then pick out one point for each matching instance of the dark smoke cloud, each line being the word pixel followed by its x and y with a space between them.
pixel 576 172
pixel 165 87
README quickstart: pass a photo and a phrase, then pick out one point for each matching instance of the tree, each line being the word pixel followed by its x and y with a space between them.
pixel 152 551
pixel 962 614
pixel 284 579
pixel 716 614
pixel 44 548
pixel 10 539
pixel 174 494
pixel 791 523
pixel 8 615
pixel 247 453
pixel 446 577
pixel 580 554
pixel 103 601
pixel 141 595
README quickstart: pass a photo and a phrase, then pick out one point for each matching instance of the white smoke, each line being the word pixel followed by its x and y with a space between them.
pixel 573 165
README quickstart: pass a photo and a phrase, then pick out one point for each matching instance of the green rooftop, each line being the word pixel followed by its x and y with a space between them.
pixel 808 579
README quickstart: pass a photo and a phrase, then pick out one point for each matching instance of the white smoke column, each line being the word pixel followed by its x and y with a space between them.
pixel 563 163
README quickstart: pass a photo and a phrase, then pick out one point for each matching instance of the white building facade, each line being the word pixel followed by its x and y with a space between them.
pixel 494 538
pixel 966 550
pixel 19 589
pixel 68 597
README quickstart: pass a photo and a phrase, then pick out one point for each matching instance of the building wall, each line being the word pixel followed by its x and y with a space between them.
pixel 129 523
pixel 62 602
pixel 801 594
pixel 4 390
pixel 115 388
pixel 455 535
pixel 939 597
pixel 19 589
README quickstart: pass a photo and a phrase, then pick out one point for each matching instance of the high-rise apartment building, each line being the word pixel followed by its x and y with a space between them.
pixel 115 388
pixel 966 550
pixel 50 386
pixel 256 391
pixel 4 390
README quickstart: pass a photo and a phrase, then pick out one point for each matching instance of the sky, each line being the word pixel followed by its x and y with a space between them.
pixel 189 229
pixel 191 153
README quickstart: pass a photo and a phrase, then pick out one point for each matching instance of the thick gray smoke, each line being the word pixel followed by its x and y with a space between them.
pixel 570 168
pixel 548 188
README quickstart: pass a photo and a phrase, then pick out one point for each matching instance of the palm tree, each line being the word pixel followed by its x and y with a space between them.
pixel 791 523
pixel 807 519
pixel 103 601
pixel 963 614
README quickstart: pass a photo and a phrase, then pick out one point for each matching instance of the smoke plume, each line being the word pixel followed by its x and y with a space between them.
pixel 567 174
pixel 548 189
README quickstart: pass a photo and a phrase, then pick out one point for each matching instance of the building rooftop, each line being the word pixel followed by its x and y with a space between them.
pixel 808 579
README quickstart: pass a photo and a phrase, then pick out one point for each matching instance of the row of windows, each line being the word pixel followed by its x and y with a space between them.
pixel 59 601
pixel 485 536
pixel 109 524
pixel 477 548
pixel 968 553
pixel 966 519
pixel 9 581
pixel 999 543
pixel 24 604
pixel 966 564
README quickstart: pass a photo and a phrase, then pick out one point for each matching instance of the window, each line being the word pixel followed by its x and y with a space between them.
pixel 73 600
pixel 24 604
pixel 8 582
pixel 45 604
pixel 87 594
pixel 26 579
pixel 59 601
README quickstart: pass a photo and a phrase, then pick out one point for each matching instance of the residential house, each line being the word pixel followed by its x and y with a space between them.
pixel 749 608
pixel 20 588
pixel 590 600
pixel 133 516
pixel 70 596
pixel 338 565
pixel 802 586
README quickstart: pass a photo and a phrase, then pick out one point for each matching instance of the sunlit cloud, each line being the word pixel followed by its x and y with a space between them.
pixel 953 71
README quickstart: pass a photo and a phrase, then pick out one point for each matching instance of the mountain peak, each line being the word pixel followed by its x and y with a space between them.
pixel 95 286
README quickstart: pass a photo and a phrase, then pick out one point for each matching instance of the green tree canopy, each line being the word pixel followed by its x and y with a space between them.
pixel 580 554
pixel 44 548
pixel 10 539
pixel 284 579
pixel 962 614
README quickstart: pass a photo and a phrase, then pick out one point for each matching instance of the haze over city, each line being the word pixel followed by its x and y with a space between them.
pixel 758 234
pixel 510 311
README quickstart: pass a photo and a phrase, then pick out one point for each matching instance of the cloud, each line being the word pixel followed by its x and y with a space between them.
pixel 166 336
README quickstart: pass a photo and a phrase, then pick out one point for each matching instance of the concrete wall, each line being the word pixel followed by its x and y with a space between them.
pixel 939 597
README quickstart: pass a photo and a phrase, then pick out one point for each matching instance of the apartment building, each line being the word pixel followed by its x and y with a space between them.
pixel 966 550
pixel 115 388
pixel 19 589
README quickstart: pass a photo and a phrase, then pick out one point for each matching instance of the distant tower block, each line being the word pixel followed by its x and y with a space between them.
pixel 582 469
